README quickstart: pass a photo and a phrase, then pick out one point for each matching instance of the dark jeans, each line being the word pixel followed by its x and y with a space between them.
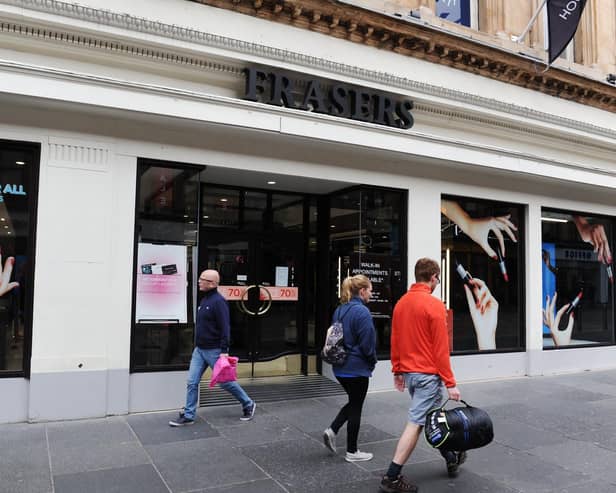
pixel 356 388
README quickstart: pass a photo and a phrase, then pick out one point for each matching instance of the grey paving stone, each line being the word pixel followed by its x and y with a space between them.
pixel 384 452
pixel 24 463
pixel 367 434
pixel 192 464
pixel 592 487
pixel 262 429
pixel 431 477
pixel 522 436
pixel 520 470
pixel 585 457
pixel 604 437
pixel 258 486
pixel 136 479
pixel 310 415
pixel 154 428
pixel 227 415
pixel 305 466
pixel 78 446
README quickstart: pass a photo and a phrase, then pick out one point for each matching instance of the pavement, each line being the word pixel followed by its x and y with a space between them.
pixel 552 434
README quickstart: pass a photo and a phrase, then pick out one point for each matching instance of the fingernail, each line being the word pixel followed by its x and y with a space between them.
pixel 494 257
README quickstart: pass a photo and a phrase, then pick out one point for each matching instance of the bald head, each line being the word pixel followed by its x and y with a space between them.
pixel 208 280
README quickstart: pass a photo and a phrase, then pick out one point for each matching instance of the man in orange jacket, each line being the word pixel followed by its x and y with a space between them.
pixel 420 362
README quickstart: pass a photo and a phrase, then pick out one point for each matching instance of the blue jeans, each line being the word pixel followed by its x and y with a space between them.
pixel 201 359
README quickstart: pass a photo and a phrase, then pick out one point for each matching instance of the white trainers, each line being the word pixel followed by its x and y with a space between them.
pixel 329 439
pixel 358 456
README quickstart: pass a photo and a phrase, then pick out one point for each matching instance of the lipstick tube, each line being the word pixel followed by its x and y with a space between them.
pixel 464 274
pixel 501 264
pixel 574 303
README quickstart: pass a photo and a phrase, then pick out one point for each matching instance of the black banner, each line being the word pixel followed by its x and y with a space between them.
pixel 563 19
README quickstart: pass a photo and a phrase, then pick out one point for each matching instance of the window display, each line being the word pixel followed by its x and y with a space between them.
pixel 578 279
pixel 19 165
pixel 482 273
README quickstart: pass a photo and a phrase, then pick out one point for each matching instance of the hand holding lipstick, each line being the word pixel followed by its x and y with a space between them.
pixel 5 276
pixel 560 337
pixel 484 312
pixel 595 235
pixel 478 229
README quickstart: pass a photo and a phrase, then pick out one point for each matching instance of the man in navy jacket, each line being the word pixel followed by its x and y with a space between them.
pixel 213 330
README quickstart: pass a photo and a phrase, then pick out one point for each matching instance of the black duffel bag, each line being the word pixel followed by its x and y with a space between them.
pixel 461 428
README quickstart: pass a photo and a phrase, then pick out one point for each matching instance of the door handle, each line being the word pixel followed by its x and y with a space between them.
pixel 265 306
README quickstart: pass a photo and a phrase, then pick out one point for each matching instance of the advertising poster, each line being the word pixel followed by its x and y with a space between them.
pixel 578 279
pixel 161 283
pixel 481 283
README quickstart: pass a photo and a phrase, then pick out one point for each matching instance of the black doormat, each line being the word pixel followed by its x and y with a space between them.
pixel 272 389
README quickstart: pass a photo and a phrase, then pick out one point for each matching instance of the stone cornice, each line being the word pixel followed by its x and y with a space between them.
pixel 416 40
pixel 268 54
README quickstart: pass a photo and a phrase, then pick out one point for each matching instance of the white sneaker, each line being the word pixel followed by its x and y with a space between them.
pixel 358 456
pixel 329 439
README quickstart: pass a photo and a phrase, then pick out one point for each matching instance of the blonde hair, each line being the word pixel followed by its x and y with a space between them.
pixel 352 285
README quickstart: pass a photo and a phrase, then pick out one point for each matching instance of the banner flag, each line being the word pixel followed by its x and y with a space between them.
pixel 563 19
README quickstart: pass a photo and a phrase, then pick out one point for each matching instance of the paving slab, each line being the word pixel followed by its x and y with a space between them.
pixel 24 459
pixel 153 428
pixel 136 479
pixel 305 466
pixel 191 464
pixel 78 446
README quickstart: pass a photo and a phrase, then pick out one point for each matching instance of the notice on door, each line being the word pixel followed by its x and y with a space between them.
pixel 277 293
pixel 161 283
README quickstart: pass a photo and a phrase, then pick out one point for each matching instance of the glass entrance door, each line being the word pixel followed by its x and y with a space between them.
pixel 259 278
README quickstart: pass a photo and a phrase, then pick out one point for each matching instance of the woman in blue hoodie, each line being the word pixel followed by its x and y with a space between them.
pixel 353 375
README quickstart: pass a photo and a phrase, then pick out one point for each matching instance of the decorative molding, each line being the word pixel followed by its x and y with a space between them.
pixel 271 54
pixel 69 153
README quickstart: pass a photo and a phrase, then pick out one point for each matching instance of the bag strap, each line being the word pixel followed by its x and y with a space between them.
pixel 449 399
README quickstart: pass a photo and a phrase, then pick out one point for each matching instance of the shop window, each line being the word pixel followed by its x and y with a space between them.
pixel 19 164
pixel 482 274
pixel 366 236
pixel 166 238
pixel 577 278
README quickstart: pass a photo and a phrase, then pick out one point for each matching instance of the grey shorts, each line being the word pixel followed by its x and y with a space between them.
pixel 426 391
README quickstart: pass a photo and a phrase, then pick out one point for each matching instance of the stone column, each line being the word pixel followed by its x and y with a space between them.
pixel 491 16
pixel 605 16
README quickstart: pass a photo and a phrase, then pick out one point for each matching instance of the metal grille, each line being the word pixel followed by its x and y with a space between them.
pixel 272 389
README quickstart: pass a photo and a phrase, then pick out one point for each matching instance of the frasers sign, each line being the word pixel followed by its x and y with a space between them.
pixel 337 100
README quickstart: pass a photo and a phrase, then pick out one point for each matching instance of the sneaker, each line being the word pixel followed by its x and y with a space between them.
pixel 182 421
pixel 357 456
pixel 329 438
pixel 389 485
pixel 249 412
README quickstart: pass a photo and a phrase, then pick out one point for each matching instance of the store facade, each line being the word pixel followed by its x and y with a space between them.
pixel 137 152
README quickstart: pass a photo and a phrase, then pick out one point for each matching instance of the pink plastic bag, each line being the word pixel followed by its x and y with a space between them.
pixel 225 370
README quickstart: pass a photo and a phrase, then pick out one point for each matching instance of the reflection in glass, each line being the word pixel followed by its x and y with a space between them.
pixel 365 238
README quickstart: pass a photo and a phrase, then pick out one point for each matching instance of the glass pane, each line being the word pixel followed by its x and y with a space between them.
pixel 472 259
pixel 18 164
pixel 220 208
pixel 166 222
pixel 578 277
pixel 365 239
pixel 168 204
pixel 287 212
pixel 255 211
pixel 457 11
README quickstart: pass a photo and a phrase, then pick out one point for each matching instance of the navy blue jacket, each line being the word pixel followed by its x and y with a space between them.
pixel 359 339
pixel 213 322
